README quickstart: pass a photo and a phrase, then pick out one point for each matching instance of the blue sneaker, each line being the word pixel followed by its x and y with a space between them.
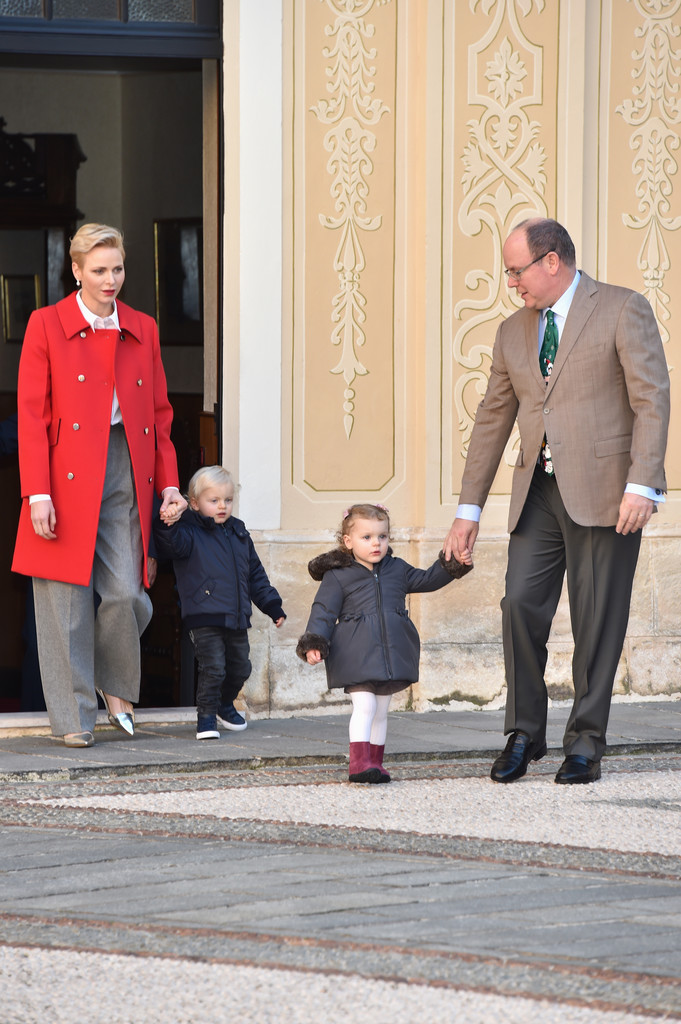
pixel 231 719
pixel 207 727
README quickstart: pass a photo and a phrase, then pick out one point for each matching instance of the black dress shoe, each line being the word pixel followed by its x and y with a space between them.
pixel 512 763
pixel 576 768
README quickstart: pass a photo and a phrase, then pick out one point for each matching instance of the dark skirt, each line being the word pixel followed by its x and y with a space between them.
pixel 381 689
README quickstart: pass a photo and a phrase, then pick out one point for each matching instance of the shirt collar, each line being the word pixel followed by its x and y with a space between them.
pixel 561 307
pixel 91 317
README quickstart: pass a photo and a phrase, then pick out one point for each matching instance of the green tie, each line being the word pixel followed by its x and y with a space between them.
pixel 549 345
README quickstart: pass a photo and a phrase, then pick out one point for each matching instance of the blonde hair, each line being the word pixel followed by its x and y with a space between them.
pixel 90 236
pixel 208 476
pixel 355 512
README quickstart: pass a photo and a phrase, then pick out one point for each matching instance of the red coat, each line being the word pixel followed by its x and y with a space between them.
pixel 65 391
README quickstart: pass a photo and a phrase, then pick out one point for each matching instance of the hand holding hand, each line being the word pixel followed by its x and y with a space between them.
pixel 460 540
pixel 173 505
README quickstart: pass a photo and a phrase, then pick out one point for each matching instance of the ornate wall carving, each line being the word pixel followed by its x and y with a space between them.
pixel 654 114
pixel 501 164
pixel 344 359
pixel 351 115
pixel 640 205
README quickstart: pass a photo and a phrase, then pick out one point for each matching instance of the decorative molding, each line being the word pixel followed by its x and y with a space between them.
pixel 503 181
pixel 654 114
pixel 351 113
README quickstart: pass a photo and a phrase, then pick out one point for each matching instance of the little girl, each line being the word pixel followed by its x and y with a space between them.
pixel 360 626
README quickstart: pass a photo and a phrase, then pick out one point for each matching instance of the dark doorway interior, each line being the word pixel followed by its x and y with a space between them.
pixel 138 123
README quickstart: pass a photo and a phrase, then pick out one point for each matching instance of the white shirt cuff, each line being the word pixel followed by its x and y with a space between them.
pixel 38 497
pixel 471 512
pixel 647 492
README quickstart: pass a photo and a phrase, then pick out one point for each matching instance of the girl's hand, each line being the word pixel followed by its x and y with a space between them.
pixel 313 657
pixel 280 622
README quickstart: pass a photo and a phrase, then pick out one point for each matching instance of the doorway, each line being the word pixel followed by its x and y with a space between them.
pixel 144 125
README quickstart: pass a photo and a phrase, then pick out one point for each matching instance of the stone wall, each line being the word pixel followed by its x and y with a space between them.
pixel 460 628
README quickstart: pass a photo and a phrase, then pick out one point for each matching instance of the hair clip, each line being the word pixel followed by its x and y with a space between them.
pixel 383 508
pixel 346 513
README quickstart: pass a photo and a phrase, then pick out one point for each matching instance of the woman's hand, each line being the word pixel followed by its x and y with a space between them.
pixel 44 519
pixel 313 657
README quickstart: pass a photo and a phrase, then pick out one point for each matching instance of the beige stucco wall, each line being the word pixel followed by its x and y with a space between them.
pixel 415 134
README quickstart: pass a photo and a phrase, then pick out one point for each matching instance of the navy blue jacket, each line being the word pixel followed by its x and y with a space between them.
pixel 9 440
pixel 218 571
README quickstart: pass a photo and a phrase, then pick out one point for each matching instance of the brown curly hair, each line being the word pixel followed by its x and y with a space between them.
pixel 361 511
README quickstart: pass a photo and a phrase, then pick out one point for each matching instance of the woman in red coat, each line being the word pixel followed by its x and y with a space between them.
pixel 94 445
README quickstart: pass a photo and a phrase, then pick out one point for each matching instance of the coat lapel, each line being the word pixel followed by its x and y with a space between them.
pixel 581 308
pixel 532 344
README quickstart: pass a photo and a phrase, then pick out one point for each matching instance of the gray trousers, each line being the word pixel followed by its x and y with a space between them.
pixel 88 636
pixel 600 566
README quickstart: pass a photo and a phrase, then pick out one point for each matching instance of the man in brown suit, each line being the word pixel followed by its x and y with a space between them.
pixel 590 471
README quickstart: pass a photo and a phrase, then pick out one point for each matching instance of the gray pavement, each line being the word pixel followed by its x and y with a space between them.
pixel 244 879
pixel 165 740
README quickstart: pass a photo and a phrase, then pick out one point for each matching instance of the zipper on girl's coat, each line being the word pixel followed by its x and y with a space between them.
pixel 379 602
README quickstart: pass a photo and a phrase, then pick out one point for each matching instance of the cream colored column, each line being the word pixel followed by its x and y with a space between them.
pixel 260 264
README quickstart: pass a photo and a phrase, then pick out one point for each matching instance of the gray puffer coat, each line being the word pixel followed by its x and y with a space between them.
pixel 359 621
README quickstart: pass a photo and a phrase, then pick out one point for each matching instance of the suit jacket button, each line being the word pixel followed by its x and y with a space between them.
pixel 139 383
pixel 83 334
pixel 76 426
pixel 150 479
pixel 69 476
pixel 81 377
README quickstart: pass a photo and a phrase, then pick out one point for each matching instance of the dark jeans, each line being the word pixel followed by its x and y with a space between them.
pixel 224 665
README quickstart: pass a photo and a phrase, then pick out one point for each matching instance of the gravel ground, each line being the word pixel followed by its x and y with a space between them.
pixel 56 987
pixel 628 812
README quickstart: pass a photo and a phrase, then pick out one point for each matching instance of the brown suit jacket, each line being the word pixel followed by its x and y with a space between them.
pixel 605 409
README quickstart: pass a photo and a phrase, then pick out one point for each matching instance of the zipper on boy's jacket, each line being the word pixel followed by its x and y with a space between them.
pixel 228 542
pixel 384 645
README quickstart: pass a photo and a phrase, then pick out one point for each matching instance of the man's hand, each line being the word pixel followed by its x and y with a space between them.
pixel 460 540
pixel 173 505
pixel 44 519
pixel 635 511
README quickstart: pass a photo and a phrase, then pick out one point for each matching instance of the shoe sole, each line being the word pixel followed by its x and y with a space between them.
pixel 212 735
pixel 82 740
pixel 232 728
pixel 583 781
pixel 371 775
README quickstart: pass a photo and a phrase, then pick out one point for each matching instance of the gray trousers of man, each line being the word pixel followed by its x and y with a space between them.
pixel 600 565
pixel 89 636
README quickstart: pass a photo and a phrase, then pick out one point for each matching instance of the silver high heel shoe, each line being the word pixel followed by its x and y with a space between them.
pixel 125 720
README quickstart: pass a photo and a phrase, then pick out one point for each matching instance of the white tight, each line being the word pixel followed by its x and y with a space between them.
pixel 369 719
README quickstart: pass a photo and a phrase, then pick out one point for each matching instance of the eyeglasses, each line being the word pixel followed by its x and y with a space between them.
pixel 517 274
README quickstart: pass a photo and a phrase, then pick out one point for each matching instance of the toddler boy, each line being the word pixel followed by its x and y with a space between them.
pixel 218 574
